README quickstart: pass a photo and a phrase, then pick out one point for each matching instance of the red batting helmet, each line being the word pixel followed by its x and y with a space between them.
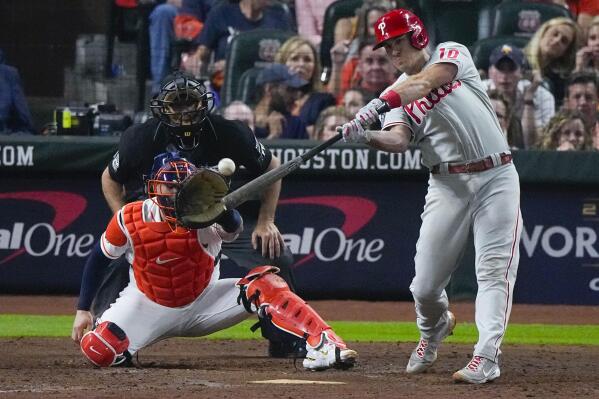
pixel 397 23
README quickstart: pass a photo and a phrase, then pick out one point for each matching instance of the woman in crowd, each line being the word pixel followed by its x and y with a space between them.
pixel 552 53
pixel 329 119
pixel 301 58
pixel 567 131
pixel 587 58
pixel 510 125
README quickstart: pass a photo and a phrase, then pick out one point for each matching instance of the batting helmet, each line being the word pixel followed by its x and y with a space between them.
pixel 164 184
pixel 397 23
pixel 182 105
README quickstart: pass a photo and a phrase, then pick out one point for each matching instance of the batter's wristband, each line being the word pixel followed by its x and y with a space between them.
pixel 392 98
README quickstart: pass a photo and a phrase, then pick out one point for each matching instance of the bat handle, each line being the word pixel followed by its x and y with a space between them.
pixel 383 108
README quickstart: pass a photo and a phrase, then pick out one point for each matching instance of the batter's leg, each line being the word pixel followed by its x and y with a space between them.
pixel 497 228
pixel 443 234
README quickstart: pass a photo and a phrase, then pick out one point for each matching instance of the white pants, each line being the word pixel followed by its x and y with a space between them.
pixel 146 322
pixel 489 203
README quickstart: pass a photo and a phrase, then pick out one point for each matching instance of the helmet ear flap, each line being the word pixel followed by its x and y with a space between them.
pixel 419 39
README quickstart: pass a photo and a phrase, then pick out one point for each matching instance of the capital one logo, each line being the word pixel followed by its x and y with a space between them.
pixel 41 239
pixel 336 243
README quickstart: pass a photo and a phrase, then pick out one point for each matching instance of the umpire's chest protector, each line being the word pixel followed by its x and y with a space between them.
pixel 170 268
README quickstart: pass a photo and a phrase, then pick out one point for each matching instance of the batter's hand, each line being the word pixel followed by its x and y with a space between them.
pixel 353 132
pixel 83 321
pixel 368 114
pixel 268 236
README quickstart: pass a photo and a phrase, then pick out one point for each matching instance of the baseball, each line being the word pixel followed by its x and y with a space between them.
pixel 226 166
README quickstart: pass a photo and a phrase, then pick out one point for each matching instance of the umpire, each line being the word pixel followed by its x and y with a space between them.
pixel 181 123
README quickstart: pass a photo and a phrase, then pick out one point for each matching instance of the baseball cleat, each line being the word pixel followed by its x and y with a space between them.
pixel 425 354
pixel 328 355
pixel 478 371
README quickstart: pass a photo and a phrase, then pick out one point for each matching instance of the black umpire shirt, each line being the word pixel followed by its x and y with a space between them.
pixel 220 138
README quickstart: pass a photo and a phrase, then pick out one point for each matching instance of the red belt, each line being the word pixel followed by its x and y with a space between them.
pixel 477 166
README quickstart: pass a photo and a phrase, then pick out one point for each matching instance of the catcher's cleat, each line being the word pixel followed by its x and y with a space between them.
pixel 478 371
pixel 328 354
pixel 425 353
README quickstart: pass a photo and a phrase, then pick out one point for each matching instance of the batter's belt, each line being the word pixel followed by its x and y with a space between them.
pixel 475 166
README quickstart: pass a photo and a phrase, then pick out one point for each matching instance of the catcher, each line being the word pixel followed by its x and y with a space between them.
pixel 174 287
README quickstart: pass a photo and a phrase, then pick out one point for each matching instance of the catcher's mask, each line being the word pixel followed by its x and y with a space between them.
pixel 164 185
pixel 182 104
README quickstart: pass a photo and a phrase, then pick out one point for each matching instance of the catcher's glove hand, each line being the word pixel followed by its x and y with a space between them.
pixel 199 200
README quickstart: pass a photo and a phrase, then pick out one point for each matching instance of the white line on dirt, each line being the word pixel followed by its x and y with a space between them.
pixel 287 381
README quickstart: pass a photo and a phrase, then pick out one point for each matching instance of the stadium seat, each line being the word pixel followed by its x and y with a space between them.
pixel 481 49
pixel 247 86
pixel 334 12
pixel 251 49
pixel 516 18
pixel 130 24
pixel 463 21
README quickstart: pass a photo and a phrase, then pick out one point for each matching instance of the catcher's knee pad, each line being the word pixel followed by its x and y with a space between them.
pixel 103 345
pixel 268 294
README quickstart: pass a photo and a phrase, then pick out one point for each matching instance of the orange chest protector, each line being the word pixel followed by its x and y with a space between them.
pixel 171 268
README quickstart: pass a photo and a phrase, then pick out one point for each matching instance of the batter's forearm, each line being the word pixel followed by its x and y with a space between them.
pixel 113 192
pixel 388 141
pixel 417 86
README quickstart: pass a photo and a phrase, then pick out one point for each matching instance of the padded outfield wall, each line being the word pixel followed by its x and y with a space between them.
pixel 351 217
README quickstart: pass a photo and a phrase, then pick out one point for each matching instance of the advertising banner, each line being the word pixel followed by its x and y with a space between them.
pixel 351 216
pixel 351 239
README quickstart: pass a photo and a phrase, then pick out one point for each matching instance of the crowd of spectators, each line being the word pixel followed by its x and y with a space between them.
pixel 542 92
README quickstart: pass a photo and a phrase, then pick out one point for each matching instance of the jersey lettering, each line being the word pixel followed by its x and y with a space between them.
pixel 418 109
pixel 451 54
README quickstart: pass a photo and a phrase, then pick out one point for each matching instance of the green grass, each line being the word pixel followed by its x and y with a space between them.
pixel 60 326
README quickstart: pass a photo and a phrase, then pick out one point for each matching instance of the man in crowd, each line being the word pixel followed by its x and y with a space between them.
pixel 14 112
pixel 582 94
pixel 532 104
pixel 223 23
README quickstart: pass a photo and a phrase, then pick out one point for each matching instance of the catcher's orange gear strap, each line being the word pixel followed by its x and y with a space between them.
pixel 104 344
pixel 272 298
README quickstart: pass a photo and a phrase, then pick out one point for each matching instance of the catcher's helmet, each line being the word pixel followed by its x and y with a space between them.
pixel 182 105
pixel 397 23
pixel 164 184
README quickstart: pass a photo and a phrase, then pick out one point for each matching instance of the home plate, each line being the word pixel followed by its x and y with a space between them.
pixel 286 381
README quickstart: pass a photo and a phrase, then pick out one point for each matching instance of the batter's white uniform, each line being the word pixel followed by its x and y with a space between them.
pixel 145 321
pixel 456 124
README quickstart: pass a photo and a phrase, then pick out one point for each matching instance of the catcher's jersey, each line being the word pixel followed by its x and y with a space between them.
pixel 455 122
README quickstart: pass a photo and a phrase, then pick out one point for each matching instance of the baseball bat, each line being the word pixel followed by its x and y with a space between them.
pixel 250 189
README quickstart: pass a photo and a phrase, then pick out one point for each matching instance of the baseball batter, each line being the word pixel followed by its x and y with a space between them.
pixel 440 105
pixel 175 290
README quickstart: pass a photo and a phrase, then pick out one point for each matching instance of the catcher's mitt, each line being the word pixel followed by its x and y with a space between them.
pixel 198 203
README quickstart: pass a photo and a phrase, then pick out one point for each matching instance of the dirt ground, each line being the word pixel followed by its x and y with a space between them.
pixel 192 368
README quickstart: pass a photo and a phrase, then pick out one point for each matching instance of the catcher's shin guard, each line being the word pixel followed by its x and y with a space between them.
pixel 105 345
pixel 268 294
